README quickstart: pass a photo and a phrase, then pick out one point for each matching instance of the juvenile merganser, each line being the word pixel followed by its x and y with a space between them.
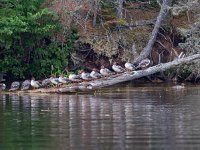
pixel 85 76
pixel 178 87
pixel 95 74
pixel 129 66
pixel 26 85
pixel 144 63
pixel 117 68
pixel 14 86
pixel 74 78
pixel 35 84
pixel 63 79
pixel 55 81
pixel 46 82
pixel 2 86
pixel 105 71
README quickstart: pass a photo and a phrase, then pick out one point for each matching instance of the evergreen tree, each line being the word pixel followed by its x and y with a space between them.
pixel 27 43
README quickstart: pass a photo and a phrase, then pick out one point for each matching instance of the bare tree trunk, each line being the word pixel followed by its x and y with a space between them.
pixel 163 12
pixel 120 9
pixel 95 6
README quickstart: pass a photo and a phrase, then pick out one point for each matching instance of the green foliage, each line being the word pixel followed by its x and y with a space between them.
pixel 27 46
pixel 186 70
pixel 121 22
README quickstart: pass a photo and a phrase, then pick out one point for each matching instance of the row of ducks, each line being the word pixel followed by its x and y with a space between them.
pixel 82 76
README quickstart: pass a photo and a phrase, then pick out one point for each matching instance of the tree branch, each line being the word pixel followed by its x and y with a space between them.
pixel 138 23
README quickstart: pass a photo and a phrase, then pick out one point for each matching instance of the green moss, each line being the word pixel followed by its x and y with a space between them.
pixel 140 36
pixel 121 22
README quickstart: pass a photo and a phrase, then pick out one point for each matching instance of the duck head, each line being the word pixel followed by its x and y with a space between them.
pixel 114 63
pixel 81 71
pixel 102 67
pixel 94 69
pixel 62 75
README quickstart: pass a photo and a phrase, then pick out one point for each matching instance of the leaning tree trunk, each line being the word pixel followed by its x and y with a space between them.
pixel 163 12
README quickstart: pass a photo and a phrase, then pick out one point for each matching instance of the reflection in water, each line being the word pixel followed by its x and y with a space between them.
pixel 114 119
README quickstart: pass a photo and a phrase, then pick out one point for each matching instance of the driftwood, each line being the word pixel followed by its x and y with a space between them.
pixel 96 84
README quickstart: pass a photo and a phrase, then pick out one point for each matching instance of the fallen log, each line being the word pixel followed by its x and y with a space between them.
pixel 138 23
pixel 104 82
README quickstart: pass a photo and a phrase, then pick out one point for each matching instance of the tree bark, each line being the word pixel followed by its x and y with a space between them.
pixel 163 12
pixel 96 84
pixel 120 9
pixel 95 6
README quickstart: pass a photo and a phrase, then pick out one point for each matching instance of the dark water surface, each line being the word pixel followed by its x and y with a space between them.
pixel 153 116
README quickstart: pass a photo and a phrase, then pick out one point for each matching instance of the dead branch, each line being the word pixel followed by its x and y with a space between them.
pixel 138 23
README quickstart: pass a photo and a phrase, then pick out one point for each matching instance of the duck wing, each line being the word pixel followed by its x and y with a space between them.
pixel 46 82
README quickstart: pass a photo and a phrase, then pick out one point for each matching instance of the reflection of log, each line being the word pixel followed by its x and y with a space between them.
pixel 92 85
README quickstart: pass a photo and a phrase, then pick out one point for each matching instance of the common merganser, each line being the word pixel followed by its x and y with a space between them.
pixel 34 83
pixel 144 63
pixel 2 86
pixel 105 71
pixel 63 79
pixel 129 66
pixel 95 74
pixel 46 82
pixel 74 78
pixel 178 87
pixel 14 86
pixel 117 68
pixel 55 81
pixel 85 76
pixel 26 85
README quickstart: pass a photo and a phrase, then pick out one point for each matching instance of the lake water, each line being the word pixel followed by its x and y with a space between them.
pixel 127 116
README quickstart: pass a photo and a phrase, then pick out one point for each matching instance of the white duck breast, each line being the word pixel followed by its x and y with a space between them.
pixel 105 72
pixel 2 86
pixel 95 75
pixel 14 86
pixel 73 77
pixel 26 85
pixel 63 79
pixel 117 68
pixel 35 84
pixel 85 76
pixel 129 66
